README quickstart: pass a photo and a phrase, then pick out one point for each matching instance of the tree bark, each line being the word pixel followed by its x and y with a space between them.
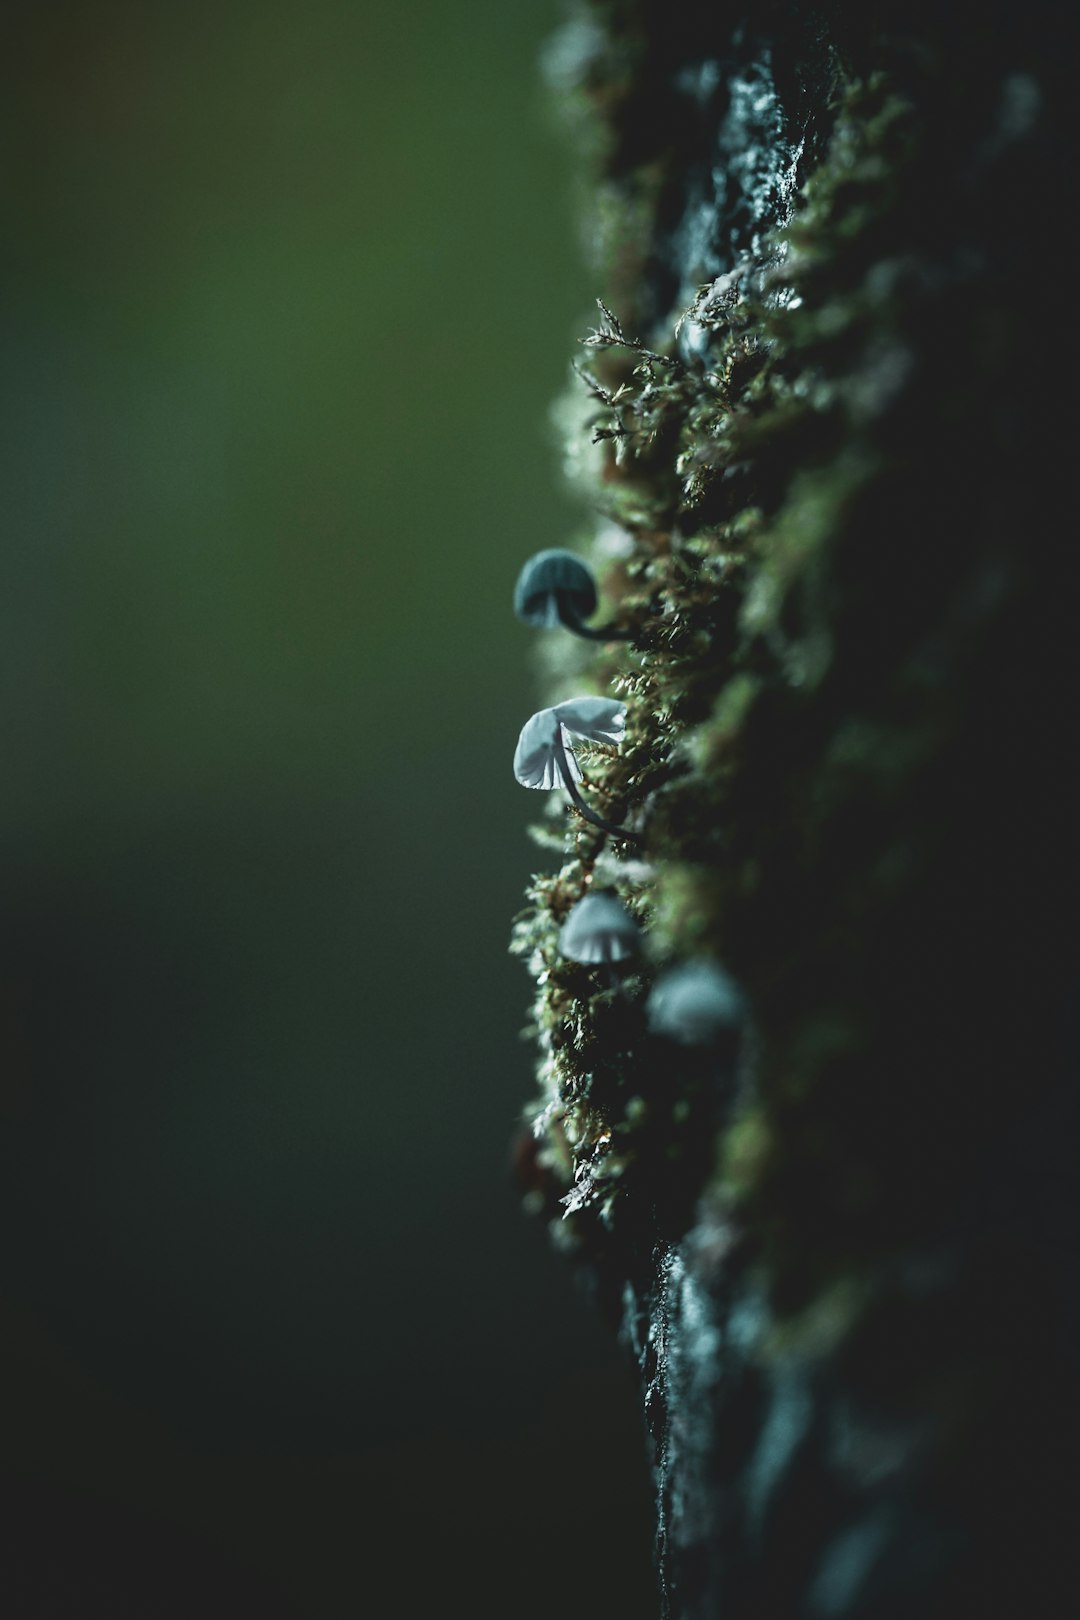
pixel 841 1250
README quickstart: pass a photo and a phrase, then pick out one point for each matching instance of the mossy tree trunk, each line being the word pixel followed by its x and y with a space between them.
pixel 825 399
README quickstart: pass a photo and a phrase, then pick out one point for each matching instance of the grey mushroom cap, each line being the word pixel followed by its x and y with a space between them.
pixel 544 578
pixel 695 1004
pixel 536 756
pixel 599 929
pixel 535 759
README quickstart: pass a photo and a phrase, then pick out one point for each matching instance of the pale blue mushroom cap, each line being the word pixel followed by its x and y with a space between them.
pixel 695 1004
pixel 535 758
pixel 547 576
pixel 599 719
pixel 599 929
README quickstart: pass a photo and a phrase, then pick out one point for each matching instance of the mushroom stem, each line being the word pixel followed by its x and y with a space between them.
pixel 573 621
pixel 615 982
pixel 571 788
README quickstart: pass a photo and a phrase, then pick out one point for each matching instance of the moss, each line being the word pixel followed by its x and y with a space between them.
pixel 723 575
pixel 836 469
pixel 776 727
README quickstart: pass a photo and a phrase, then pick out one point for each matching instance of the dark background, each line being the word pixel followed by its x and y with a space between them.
pixel 287 292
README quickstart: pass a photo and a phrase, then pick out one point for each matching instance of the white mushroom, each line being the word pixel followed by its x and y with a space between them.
pixel 599 929
pixel 544 757
pixel 695 1004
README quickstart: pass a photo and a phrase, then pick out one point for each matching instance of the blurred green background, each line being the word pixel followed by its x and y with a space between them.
pixel 287 292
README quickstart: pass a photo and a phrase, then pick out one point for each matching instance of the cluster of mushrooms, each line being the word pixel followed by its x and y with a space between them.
pixel 696 1002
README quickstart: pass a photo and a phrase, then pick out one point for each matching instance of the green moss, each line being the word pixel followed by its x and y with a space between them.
pixel 840 505
pixel 668 428
pixel 785 737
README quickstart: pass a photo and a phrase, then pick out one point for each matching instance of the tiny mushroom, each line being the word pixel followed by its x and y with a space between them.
pixel 555 587
pixel 544 757
pixel 696 1004
pixel 599 929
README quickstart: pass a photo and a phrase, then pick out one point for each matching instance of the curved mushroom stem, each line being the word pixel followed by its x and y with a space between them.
pixel 573 621
pixel 571 788
pixel 615 982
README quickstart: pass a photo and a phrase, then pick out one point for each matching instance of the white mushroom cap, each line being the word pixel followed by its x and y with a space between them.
pixel 534 758
pixel 598 719
pixel 599 929
pixel 695 1004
